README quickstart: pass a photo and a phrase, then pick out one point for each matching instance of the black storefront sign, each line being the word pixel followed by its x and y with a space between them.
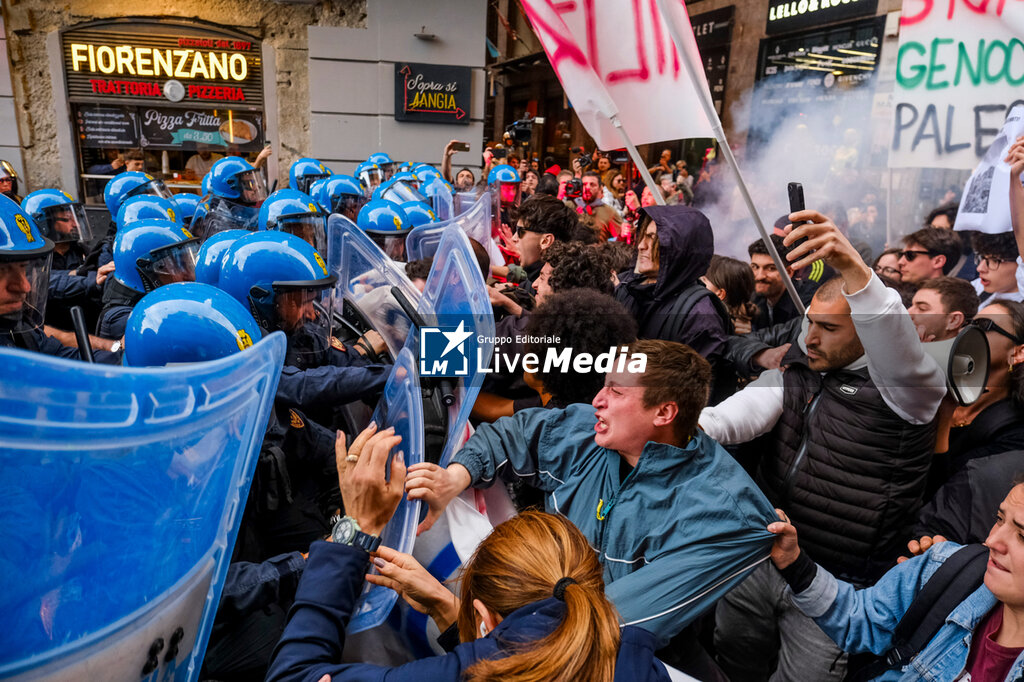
pixel 796 15
pixel 107 127
pixel 432 93
pixel 176 128
pixel 713 32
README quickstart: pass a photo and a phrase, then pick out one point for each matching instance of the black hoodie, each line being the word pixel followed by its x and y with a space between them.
pixel 686 244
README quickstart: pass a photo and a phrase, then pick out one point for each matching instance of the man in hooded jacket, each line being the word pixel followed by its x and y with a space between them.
pixel 664 292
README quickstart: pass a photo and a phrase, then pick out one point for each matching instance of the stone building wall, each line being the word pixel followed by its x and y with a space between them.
pixel 281 25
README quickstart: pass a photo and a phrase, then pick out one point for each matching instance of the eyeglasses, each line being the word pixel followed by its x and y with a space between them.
pixel 987 325
pixel 910 255
pixel 991 262
pixel 887 271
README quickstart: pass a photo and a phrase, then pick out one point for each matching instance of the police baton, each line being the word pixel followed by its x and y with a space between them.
pixel 84 346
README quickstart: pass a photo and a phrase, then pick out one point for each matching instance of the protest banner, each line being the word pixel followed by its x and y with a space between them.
pixel 630 55
pixel 985 205
pixel 959 71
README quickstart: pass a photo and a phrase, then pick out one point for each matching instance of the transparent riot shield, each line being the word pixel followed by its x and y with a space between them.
pixel 363 296
pixel 121 492
pixel 475 221
pixel 400 406
pixel 440 194
pixel 456 294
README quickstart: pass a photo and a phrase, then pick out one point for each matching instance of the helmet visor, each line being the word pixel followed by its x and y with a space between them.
pixel 310 227
pixel 348 205
pixel 155 187
pixel 170 264
pixel 252 190
pixel 23 290
pixel 509 193
pixel 65 223
pixel 370 177
pixel 304 181
pixel 225 214
pixel 399 193
pixel 392 245
pixel 302 308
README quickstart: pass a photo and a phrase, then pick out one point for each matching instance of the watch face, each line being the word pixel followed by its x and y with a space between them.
pixel 344 531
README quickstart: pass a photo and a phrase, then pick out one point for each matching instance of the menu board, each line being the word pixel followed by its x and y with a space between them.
pixel 107 127
pixel 432 93
pixel 186 128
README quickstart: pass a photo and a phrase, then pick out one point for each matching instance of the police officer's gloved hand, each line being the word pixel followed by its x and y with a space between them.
pixel 516 274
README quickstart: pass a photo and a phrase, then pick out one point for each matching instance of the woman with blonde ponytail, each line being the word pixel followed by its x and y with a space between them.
pixel 532 602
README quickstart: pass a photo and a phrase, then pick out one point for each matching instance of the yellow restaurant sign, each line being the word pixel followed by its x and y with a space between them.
pixel 130 60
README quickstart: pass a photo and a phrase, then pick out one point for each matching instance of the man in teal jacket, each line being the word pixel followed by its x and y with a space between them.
pixel 675 520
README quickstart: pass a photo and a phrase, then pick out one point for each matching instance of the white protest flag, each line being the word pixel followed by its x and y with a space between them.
pixel 985 205
pixel 959 71
pixel 618 58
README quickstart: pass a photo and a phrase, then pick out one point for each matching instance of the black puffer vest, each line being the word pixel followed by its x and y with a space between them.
pixel 848 471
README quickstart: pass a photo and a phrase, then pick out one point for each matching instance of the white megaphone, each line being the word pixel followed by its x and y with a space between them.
pixel 964 361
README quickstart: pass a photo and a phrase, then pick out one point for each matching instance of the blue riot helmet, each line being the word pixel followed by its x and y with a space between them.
pixel 504 180
pixel 424 171
pixel 147 207
pixel 187 322
pixel 25 255
pixel 405 166
pixel 386 223
pixel 294 212
pixel 418 213
pixel 130 184
pixel 151 253
pixel 305 172
pixel 369 175
pixel 384 162
pixel 59 217
pixel 282 279
pixel 398 191
pixel 315 190
pixel 236 191
pixel 187 204
pixel 342 194
pixel 204 184
pixel 408 178
pixel 211 255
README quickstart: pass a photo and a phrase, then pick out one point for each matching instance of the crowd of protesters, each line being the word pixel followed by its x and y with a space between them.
pixel 816 430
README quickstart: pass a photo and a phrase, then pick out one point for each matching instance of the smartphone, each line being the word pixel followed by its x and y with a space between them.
pixel 461 147
pixel 796 203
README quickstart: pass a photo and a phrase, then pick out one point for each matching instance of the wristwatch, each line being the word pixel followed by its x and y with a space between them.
pixel 116 346
pixel 347 532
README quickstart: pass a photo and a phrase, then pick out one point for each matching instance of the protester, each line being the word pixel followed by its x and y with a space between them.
pixel 732 281
pixel 979 640
pixel 531 179
pixel 542 222
pixel 594 213
pixel 941 307
pixel 549 601
pixel 770 296
pixel 635 453
pixel 928 253
pixel 614 186
pixel 854 407
pixel 887 264
pixel 996 261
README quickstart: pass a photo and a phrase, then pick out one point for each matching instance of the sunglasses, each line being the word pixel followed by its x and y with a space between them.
pixel 911 255
pixel 521 231
pixel 887 271
pixel 987 325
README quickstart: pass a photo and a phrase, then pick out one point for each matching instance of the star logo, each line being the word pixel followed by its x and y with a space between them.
pixel 444 352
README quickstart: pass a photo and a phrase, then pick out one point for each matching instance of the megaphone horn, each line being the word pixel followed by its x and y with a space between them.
pixel 964 361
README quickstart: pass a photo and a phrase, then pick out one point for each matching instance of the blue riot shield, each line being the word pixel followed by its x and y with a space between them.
pixel 365 278
pixel 400 406
pixel 121 492
pixel 475 221
pixel 456 293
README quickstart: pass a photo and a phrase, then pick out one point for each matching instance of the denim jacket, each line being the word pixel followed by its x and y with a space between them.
pixel 863 620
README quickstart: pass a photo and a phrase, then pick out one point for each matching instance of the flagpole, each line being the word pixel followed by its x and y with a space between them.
pixel 716 126
pixel 638 162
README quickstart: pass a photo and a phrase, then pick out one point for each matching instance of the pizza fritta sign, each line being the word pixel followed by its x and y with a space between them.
pixel 432 93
